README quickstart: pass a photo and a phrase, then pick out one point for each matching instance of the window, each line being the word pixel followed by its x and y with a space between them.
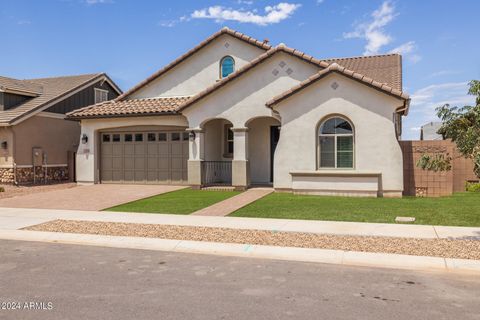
pixel 227 66
pixel 100 95
pixel 105 137
pixel 175 136
pixel 151 137
pixel 128 137
pixel 228 135
pixel 162 137
pixel 335 141
pixel 138 136
pixel 116 137
pixel 185 136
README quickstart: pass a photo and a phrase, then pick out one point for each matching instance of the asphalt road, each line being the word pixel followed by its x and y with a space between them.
pixel 84 282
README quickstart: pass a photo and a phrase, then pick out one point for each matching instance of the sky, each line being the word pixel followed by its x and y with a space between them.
pixel 131 39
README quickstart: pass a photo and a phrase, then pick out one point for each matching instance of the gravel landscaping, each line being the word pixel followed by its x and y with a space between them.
pixel 446 248
pixel 13 191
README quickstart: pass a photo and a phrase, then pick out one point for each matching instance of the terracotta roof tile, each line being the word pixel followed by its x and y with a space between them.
pixel 334 67
pixel 236 34
pixel 133 107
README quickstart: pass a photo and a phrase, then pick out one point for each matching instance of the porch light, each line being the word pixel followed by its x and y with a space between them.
pixel 4 145
pixel 84 138
pixel 191 135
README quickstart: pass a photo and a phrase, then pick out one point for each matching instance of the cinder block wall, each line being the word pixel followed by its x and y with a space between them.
pixel 419 182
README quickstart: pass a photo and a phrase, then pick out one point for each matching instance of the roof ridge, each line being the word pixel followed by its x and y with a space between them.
pixel 171 65
pixel 68 76
pixel 364 57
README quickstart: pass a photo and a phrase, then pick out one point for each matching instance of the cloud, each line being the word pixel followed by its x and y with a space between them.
pixel 442 73
pixel 93 2
pixel 24 22
pixel 425 100
pixel 172 23
pixel 373 31
pixel 273 14
pixel 407 49
pixel 320 1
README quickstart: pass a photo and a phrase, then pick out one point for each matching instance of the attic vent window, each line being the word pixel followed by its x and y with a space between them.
pixel 227 66
pixel 100 95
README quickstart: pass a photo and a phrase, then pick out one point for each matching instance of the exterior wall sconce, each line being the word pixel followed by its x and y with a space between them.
pixel 4 145
pixel 191 135
pixel 84 138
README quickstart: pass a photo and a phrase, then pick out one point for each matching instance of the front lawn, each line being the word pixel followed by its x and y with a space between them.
pixel 461 209
pixel 183 201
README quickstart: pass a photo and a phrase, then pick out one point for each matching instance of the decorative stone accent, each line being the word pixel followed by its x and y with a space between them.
pixel 334 85
pixel 275 72
pixel 26 175
pixel 421 191
pixel 289 71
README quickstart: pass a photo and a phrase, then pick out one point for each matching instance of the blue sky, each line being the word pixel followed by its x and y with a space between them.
pixel 131 39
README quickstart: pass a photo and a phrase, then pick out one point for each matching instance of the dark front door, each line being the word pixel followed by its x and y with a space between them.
pixel 274 136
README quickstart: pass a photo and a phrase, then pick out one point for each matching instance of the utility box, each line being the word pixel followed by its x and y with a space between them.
pixel 37 157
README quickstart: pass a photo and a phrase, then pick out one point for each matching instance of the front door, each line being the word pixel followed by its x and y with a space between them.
pixel 274 137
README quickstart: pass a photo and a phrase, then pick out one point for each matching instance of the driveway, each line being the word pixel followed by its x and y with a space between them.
pixel 91 198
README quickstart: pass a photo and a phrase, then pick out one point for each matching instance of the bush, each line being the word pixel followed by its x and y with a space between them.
pixel 472 187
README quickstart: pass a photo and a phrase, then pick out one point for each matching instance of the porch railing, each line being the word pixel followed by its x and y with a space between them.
pixel 216 173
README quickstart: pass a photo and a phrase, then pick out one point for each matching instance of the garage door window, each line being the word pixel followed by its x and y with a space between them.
pixel 115 137
pixel 162 137
pixel 105 137
pixel 128 137
pixel 138 137
pixel 151 137
pixel 185 136
pixel 175 136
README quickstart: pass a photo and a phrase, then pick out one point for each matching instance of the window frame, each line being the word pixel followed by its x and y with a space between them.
pixel 97 92
pixel 221 66
pixel 227 127
pixel 335 135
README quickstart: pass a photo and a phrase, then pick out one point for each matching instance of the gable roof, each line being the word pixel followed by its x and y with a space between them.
pixel 251 65
pixel 385 68
pixel 132 107
pixel 225 30
pixel 334 67
pixel 53 90
pixel 17 86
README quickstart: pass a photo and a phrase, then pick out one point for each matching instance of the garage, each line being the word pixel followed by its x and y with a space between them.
pixel 148 157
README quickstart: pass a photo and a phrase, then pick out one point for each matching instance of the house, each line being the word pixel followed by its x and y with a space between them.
pixel 34 134
pixel 429 131
pixel 238 111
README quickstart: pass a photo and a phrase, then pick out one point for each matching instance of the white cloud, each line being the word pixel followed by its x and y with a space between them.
pixel 92 2
pixel 407 49
pixel 442 73
pixel 24 22
pixel 373 31
pixel 245 2
pixel 320 1
pixel 273 14
pixel 425 100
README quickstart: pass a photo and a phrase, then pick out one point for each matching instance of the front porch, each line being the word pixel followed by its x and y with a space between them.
pixel 221 155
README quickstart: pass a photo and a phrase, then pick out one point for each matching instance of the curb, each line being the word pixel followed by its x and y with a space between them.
pixel 340 257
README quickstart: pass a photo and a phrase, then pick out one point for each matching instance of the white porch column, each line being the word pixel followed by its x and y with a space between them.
pixel 240 166
pixel 87 167
pixel 196 153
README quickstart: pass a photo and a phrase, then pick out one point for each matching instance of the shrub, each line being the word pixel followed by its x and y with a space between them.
pixel 472 187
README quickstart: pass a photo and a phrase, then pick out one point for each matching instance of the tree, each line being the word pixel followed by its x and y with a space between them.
pixel 462 126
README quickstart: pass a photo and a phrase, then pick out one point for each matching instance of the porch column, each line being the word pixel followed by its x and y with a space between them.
pixel 195 157
pixel 240 166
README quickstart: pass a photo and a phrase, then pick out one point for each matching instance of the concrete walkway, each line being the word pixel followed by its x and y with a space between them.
pixel 16 218
pixel 93 197
pixel 225 207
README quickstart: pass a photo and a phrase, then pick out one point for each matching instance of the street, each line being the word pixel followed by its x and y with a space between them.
pixel 86 282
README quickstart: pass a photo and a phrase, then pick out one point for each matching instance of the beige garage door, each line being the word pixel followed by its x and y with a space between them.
pixel 144 157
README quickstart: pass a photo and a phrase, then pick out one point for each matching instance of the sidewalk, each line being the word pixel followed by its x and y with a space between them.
pixel 16 218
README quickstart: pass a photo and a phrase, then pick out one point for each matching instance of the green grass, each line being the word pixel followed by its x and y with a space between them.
pixel 461 209
pixel 183 201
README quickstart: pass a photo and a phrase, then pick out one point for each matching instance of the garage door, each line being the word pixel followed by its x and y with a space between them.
pixel 155 157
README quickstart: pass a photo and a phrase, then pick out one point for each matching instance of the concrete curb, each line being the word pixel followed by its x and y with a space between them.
pixel 348 258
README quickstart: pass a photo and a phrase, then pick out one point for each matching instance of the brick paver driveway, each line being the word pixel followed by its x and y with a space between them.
pixel 93 198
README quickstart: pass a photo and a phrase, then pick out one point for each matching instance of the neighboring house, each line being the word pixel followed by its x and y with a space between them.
pixel 34 134
pixel 237 111
pixel 429 131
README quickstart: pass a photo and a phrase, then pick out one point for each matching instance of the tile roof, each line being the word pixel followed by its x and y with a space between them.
pixel 53 89
pixel 250 65
pixel 334 67
pixel 19 85
pixel 385 68
pixel 133 107
pixel 225 30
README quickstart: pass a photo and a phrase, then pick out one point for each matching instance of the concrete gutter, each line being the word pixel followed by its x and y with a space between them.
pixel 340 257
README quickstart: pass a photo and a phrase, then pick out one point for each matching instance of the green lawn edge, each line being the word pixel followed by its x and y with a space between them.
pixel 184 201
pixel 460 209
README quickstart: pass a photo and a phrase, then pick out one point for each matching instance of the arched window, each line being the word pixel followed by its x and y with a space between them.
pixel 227 66
pixel 335 142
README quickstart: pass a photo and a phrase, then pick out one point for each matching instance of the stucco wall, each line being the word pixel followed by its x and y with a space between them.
pixel 371 113
pixel 201 69
pixel 6 155
pixel 244 98
pixel 55 136
pixel 87 170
